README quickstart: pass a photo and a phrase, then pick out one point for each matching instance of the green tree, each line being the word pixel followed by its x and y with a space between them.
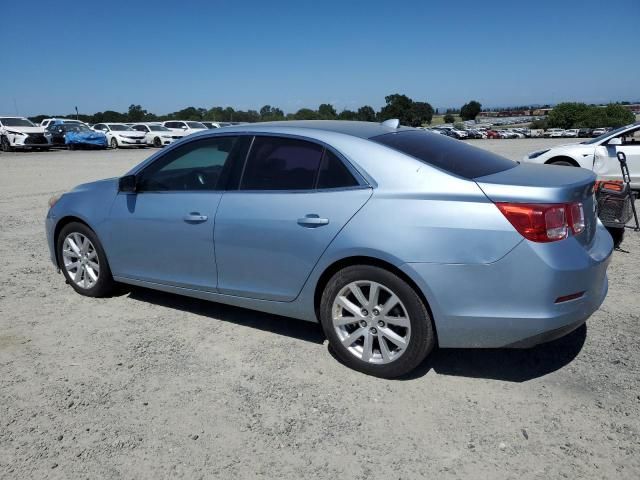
pixel 306 114
pixel 448 118
pixel 566 115
pixel 327 112
pixel 269 113
pixel 421 113
pixel 136 113
pixel 470 111
pixel 347 115
pixel 397 106
pixel 366 114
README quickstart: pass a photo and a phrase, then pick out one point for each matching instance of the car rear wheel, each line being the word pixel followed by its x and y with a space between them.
pixel 114 143
pixel 157 142
pixel 83 261
pixel 375 322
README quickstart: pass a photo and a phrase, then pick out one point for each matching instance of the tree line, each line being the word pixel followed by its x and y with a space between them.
pixel 580 115
pixel 408 111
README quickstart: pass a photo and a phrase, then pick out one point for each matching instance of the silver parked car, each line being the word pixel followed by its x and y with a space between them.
pixel 393 238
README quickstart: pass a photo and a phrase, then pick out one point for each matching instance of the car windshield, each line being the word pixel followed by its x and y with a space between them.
pixel 158 128
pixel 445 153
pixel 195 125
pixel 16 122
pixel 606 134
pixel 77 127
pixel 119 128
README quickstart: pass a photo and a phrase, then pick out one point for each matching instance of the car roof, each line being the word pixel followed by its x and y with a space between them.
pixel 353 128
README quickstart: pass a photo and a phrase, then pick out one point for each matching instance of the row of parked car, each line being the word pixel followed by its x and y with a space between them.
pixel 21 133
pixel 488 132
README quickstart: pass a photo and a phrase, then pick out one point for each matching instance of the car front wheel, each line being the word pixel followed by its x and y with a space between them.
pixel 83 261
pixel 375 321
pixel 114 143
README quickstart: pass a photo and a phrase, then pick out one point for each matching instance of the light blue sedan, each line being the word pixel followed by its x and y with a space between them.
pixel 393 238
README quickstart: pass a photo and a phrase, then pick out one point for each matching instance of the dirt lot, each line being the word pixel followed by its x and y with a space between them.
pixel 150 385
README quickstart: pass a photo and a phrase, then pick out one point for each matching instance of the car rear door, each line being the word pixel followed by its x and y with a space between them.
pixel 163 233
pixel 294 197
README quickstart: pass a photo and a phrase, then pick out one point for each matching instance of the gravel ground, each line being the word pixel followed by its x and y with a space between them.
pixel 151 385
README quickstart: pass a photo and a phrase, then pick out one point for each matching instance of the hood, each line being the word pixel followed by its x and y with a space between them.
pixel 106 184
pixel 25 129
pixel 128 134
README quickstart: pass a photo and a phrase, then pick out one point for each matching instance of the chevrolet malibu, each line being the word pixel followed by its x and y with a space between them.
pixel 393 238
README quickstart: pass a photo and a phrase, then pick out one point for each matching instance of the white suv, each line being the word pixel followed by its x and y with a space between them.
pixel 598 154
pixel 19 132
pixel 184 127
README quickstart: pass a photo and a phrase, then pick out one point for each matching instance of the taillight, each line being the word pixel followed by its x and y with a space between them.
pixel 544 222
pixel 576 217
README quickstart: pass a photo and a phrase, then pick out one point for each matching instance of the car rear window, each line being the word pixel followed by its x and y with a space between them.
pixel 451 155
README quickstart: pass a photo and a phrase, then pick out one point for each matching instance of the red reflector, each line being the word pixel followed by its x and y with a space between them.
pixel 566 298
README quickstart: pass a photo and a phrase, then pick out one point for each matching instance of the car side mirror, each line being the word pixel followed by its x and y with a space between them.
pixel 128 184
pixel 615 141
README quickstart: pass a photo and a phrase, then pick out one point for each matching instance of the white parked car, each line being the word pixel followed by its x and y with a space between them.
pixel 211 125
pixel 19 132
pixel 155 134
pixel 184 126
pixel 47 121
pixel 120 135
pixel 554 133
pixel 598 131
pixel 598 154
pixel 571 133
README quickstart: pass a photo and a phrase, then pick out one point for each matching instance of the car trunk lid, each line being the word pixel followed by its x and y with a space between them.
pixel 530 183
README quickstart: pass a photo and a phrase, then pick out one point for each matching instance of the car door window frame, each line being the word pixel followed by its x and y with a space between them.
pixel 362 182
pixel 224 173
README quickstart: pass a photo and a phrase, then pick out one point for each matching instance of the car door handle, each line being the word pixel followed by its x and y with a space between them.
pixel 195 217
pixel 312 221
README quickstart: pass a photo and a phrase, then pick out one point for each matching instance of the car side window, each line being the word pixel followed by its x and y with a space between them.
pixel 276 163
pixel 333 173
pixel 197 165
pixel 631 138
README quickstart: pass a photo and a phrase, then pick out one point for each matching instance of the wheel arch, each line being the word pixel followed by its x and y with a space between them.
pixel 64 221
pixel 562 158
pixel 374 262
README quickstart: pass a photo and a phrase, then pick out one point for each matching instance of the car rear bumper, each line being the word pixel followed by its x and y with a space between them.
pixel 513 301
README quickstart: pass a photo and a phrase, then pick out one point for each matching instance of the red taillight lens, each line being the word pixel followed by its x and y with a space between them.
pixel 544 222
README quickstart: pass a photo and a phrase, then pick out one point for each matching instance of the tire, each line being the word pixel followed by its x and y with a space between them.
pixel 114 143
pixel 92 282
pixel 408 319
pixel 561 163
pixel 157 142
pixel 6 146
pixel 72 146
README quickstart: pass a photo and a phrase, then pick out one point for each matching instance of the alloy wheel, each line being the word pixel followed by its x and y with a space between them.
pixel 81 260
pixel 371 322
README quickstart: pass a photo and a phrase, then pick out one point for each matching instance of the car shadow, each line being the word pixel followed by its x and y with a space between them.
pixel 512 365
pixel 290 327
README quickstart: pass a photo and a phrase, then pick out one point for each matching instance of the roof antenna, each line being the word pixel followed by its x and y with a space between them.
pixel 392 123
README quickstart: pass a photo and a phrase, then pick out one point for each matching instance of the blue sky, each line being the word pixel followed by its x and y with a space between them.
pixel 165 55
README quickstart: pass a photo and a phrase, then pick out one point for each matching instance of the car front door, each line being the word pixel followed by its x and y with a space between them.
pixel 294 197
pixel 163 233
pixel 608 166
